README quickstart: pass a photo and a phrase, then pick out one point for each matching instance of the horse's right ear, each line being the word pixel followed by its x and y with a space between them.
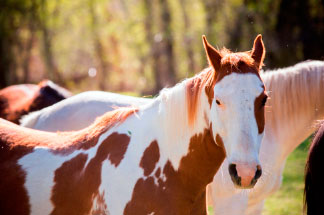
pixel 258 51
pixel 213 56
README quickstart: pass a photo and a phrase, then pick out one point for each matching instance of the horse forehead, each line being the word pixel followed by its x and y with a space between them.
pixel 239 84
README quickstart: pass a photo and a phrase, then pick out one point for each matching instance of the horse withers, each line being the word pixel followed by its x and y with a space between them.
pixel 154 159
pixel 18 100
pixel 314 188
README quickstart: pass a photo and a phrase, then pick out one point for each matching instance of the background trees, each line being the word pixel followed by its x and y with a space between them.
pixel 145 45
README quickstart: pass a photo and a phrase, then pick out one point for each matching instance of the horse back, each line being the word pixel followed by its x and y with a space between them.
pixel 18 100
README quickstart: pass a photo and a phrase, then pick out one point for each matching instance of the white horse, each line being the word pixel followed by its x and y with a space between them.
pixel 155 159
pixel 296 102
pixel 78 111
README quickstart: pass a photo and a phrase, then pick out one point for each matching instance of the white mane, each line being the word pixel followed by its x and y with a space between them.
pixel 297 98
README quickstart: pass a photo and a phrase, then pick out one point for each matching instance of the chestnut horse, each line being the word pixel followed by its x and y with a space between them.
pixel 154 159
pixel 289 122
pixel 314 187
pixel 18 100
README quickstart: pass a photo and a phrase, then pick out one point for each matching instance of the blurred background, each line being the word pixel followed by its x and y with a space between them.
pixel 142 46
pixel 138 47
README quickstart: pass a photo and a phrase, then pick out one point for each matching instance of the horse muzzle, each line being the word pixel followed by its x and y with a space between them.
pixel 244 176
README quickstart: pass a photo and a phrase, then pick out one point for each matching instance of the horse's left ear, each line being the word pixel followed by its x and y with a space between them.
pixel 258 51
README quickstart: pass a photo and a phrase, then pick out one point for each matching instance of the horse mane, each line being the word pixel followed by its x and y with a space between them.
pixel 194 87
pixel 63 142
pixel 313 191
pixel 295 97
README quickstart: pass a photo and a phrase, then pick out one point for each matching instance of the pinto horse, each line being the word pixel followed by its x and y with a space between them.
pixel 288 124
pixel 314 188
pixel 18 100
pixel 154 159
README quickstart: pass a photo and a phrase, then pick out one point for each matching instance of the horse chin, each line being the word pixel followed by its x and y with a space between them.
pixel 250 186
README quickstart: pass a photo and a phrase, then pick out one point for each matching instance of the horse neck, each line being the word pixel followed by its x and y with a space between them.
pixel 295 103
pixel 189 148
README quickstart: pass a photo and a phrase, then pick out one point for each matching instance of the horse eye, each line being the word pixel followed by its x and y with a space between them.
pixel 264 100
pixel 218 102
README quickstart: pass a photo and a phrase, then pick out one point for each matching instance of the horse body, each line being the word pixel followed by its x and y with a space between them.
pixel 18 100
pixel 295 105
pixel 314 188
pixel 155 159
pixel 78 112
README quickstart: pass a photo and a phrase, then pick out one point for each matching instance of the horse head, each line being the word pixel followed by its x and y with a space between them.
pixel 236 97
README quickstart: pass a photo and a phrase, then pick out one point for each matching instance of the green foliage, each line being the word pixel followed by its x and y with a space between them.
pixel 126 41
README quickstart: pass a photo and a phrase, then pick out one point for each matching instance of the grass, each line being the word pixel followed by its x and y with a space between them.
pixel 289 199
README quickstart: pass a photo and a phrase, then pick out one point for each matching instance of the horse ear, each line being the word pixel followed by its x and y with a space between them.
pixel 213 56
pixel 258 51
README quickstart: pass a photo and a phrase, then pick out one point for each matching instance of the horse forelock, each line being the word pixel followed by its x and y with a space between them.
pixel 234 59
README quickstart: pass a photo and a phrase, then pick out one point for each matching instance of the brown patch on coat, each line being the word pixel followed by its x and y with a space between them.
pixel 222 63
pixel 18 100
pixel 14 198
pixel 259 112
pixel 150 157
pixel 180 191
pixel 76 185
pixel 157 172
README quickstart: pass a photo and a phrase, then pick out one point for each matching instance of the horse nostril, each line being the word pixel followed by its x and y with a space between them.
pixel 258 173
pixel 233 173
pixel 232 170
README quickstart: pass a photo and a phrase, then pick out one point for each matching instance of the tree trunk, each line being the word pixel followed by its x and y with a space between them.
pixel 5 60
pixel 166 61
pixel 188 40
pixel 102 72
pixel 27 57
pixel 211 9
pixel 47 36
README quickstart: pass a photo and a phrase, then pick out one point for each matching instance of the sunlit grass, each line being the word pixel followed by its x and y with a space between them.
pixel 289 199
pixel 210 210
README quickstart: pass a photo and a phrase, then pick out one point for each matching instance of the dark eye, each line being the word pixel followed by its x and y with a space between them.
pixel 218 102
pixel 264 100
